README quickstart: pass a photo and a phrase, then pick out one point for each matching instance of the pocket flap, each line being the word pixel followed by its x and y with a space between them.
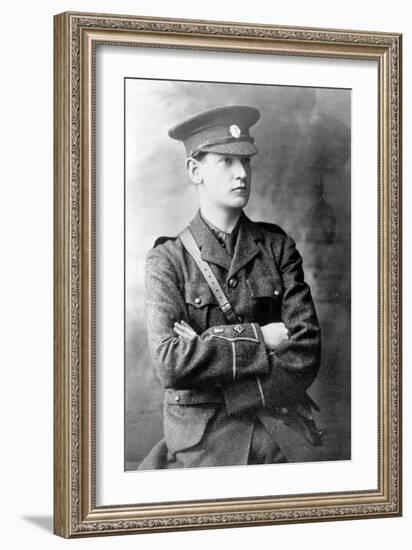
pixel 199 295
pixel 266 287
pixel 192 397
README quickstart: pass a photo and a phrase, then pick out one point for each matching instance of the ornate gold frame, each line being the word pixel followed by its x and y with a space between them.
pixel 75 511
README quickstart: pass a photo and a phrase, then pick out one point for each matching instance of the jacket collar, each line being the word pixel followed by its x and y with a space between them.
pixel 211 251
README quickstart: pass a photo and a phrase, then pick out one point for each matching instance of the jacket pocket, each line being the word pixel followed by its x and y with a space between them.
pixel 266 293
pixel 185 425
pixel 199 302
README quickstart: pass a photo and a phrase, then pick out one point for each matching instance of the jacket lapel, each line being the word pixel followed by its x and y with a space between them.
pixel 246 248
pixel 210 249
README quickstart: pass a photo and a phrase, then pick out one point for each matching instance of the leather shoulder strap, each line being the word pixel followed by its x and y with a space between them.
pixel 191 246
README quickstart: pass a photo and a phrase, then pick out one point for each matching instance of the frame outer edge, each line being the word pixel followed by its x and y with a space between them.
pixel 400 230
pixel 397 285
pixel 71 444
pixel 61 220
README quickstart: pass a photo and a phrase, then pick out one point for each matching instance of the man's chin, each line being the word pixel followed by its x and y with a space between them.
pixel 239 202
pixel 236 203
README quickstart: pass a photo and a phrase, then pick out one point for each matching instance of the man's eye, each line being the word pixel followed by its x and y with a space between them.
pixel 246 161
pixel 227 160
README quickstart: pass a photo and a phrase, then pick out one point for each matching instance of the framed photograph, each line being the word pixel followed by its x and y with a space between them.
pixel 227 274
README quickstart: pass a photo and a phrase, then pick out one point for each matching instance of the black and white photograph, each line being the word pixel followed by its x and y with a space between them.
pixel 237 267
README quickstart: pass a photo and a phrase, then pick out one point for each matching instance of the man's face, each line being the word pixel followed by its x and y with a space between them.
pixel 225 179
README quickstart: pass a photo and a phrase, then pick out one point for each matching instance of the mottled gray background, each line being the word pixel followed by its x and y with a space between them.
pixel 300 180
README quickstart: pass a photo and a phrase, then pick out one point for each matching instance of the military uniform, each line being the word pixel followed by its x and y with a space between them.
pixel 228 400
pixel 223 385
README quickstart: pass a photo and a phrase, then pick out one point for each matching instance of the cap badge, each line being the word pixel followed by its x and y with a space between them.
pixel 235 131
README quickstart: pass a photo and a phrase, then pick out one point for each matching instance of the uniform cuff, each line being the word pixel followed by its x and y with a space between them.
pixel 252 359
pixel 247 346
pixel 249 332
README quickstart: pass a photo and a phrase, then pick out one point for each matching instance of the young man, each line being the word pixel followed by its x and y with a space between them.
pixel 234 335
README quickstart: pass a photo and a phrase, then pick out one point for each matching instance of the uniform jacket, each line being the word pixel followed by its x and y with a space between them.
pixel 225 376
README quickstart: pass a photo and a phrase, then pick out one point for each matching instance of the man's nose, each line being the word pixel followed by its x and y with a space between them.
pixel 240 170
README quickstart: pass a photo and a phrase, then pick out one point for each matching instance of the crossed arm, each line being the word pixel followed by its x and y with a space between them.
pixel 274 334
pixel 260 366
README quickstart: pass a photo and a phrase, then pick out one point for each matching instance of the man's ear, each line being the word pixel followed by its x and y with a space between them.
pixel 193 169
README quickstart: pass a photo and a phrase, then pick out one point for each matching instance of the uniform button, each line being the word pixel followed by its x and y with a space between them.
pixel 177 397
pixel 284 410
pixel 233 282
pixel 276 293
pixel 198 300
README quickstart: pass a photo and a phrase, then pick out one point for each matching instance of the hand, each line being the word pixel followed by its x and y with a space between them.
pixel 274 334
pixel 183 330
